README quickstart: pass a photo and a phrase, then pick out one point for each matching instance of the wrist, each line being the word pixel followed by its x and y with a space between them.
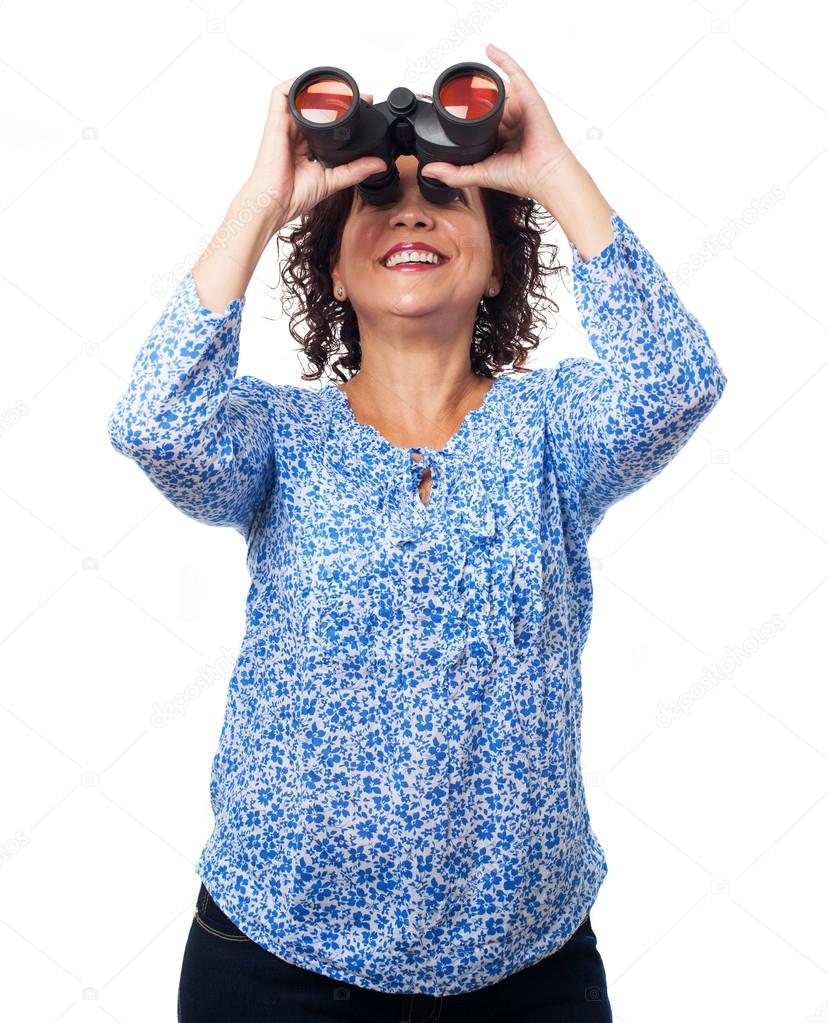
pixel 578 205
pixel 558 179
pixel 246 228
pixel 254 202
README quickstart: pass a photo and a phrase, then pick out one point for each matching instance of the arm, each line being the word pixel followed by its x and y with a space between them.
pixel 615 421
pixel 618 420
pixel 203 436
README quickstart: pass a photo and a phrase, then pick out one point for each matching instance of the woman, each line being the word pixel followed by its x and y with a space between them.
pixel 400 822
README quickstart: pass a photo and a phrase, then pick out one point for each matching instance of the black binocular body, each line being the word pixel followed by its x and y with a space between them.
pixel 458 125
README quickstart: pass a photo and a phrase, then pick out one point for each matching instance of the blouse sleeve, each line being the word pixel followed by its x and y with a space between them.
pixel 202 435
pixel 616 421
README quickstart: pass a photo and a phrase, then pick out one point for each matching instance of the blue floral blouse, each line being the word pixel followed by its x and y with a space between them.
pixel 397 787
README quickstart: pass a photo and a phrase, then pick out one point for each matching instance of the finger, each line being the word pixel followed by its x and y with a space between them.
pixel 283 88
pixel 463 176
pixel 278 113
pixel 505 61
pixel 352 173
pixel 278 102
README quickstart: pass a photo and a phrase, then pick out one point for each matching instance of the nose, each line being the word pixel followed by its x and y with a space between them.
pixel 411 210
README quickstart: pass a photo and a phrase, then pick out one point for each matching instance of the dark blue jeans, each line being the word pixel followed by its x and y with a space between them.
pixel 227 978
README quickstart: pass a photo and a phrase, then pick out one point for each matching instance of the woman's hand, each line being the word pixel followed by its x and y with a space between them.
pixel 286 178
pixel 284 183
pixel 530 147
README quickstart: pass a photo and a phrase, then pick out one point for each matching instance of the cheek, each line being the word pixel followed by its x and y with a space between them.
pixel 361 246
pixel 476 253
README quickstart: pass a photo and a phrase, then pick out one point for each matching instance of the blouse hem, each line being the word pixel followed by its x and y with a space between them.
pixel 529 948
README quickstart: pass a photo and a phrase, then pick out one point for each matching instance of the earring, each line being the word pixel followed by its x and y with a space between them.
pixel 340 291
pixel 491 292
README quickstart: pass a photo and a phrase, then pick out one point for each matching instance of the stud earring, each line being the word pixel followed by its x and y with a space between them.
pixel 340 292
pixel 491 292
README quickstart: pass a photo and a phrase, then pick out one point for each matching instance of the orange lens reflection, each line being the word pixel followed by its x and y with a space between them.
pixel 325 102
pixel 469 96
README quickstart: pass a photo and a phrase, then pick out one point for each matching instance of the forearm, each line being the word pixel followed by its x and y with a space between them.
pixel 576 203
pixel 620 418
pixel 202 434
pixel 226 266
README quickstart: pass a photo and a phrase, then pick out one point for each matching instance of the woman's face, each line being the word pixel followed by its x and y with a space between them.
pixel 457 229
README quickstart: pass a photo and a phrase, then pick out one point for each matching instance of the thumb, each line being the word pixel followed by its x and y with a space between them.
pixel 450 174
pixel 352 173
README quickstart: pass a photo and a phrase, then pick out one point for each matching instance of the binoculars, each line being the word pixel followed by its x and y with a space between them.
pixel 458 125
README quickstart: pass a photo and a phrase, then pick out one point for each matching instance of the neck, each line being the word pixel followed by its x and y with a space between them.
pixel 419 364
pixel 412 402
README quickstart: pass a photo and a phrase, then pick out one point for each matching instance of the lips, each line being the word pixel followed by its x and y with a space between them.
pixel 415 267
pixel 412 246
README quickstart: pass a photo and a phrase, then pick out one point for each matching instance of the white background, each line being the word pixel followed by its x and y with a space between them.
pixel 126 130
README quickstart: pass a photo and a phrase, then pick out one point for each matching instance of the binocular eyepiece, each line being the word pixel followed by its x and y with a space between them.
pixel 459 125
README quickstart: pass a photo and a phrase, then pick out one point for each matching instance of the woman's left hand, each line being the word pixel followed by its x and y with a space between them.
pixel 530 147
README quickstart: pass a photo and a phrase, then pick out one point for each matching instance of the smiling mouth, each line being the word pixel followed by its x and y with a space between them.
pixel 415 264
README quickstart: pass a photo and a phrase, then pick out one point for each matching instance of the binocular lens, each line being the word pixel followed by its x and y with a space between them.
pixel 469 96
pixel 325 101
pixel 460 124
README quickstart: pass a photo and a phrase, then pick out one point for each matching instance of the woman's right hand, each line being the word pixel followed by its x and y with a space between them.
pixel 284 183
pixel 285 170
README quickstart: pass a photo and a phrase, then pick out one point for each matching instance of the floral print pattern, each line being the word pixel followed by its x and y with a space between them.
pixel 397 788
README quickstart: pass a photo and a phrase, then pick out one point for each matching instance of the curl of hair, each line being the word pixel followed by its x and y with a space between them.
pixel 505 326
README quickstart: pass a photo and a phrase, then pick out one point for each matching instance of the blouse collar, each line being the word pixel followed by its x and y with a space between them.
pixel 476 422
pixel 386 475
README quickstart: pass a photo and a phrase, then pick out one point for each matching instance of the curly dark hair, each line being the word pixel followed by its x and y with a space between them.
pixel 504 329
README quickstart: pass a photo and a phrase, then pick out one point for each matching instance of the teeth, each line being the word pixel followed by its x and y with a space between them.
pixel 412 256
